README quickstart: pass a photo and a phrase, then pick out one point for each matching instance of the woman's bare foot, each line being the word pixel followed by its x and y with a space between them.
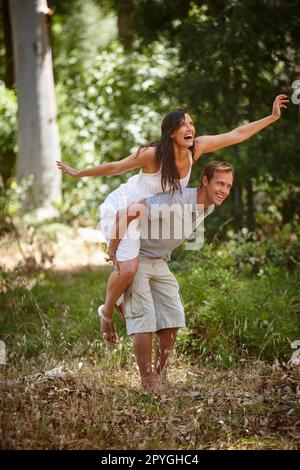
pixel 107 326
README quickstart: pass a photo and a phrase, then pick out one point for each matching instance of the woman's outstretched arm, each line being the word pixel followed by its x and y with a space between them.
pixel 144 159
pixel 211 143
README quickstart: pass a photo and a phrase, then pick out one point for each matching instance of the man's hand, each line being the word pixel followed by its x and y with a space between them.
pixel 116 264
pixel 111 251
pixel 277 105
pixel 68 169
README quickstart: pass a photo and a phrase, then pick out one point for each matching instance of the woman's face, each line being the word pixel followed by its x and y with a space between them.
pixel 184 135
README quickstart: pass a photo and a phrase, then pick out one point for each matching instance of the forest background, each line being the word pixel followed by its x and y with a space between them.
pixel 119 67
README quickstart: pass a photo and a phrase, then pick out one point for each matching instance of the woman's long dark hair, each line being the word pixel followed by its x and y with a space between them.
pixel 164 149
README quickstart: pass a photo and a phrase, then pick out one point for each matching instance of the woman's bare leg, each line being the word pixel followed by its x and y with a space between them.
pixel 116 285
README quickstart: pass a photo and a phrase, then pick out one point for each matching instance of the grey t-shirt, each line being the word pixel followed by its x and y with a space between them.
pixel 171 218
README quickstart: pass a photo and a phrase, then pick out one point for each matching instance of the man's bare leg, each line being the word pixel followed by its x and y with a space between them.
pixel 165 342
pixel 143 350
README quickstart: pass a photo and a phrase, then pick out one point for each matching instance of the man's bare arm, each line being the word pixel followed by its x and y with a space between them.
pixel 123 219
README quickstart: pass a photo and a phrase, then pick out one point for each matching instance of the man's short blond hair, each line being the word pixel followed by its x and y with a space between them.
pixel 214 166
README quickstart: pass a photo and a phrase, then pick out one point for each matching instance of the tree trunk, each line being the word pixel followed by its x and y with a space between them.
pixel 38 138
pixel 124 12
pixel 9 78
pixel 237 206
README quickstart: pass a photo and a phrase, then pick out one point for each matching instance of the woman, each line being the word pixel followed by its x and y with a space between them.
pixel 165 165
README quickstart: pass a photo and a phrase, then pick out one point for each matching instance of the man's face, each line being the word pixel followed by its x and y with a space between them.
pixel 184 135
pixel 218 188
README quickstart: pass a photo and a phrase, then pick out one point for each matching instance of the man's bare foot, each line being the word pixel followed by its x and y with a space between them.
pixel 151 383
pixel 163 383
pixel 107 326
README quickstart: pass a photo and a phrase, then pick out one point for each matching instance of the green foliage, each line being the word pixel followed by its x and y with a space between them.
pixel 8 126
pixel 233 58
pixel 251 255
pixel 11 197
pixel 241 303
pixel 276 203
pixel 115 106
pixel 78 35
pixel 233 315
pixel 105 113
pixel 224 61
pixel 189 54
pixel 49 315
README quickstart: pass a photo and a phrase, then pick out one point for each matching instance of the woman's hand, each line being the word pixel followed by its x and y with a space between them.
pixel 68 169
pixel 277 105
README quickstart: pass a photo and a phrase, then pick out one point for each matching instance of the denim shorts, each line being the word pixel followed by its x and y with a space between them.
pixel 153 301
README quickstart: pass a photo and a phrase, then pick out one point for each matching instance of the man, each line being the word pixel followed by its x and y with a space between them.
pixel 152 301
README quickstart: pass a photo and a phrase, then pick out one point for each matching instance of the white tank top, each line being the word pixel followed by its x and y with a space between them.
pixel 139 187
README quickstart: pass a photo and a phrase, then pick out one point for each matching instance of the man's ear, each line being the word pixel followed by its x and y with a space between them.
pixel 204 180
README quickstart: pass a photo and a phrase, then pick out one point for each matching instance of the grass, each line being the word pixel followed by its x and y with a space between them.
pixel 92 399
pixel 232 316
pixel 102 407
pixel 55 313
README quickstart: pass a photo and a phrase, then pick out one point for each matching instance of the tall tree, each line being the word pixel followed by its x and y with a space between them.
pixel 9 66
pixel 38 137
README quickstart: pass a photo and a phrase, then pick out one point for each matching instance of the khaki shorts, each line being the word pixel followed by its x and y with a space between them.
pixel 153 301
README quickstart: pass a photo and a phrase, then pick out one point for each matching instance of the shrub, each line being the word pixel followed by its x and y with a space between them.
pixel 231 316
pixel 8 131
